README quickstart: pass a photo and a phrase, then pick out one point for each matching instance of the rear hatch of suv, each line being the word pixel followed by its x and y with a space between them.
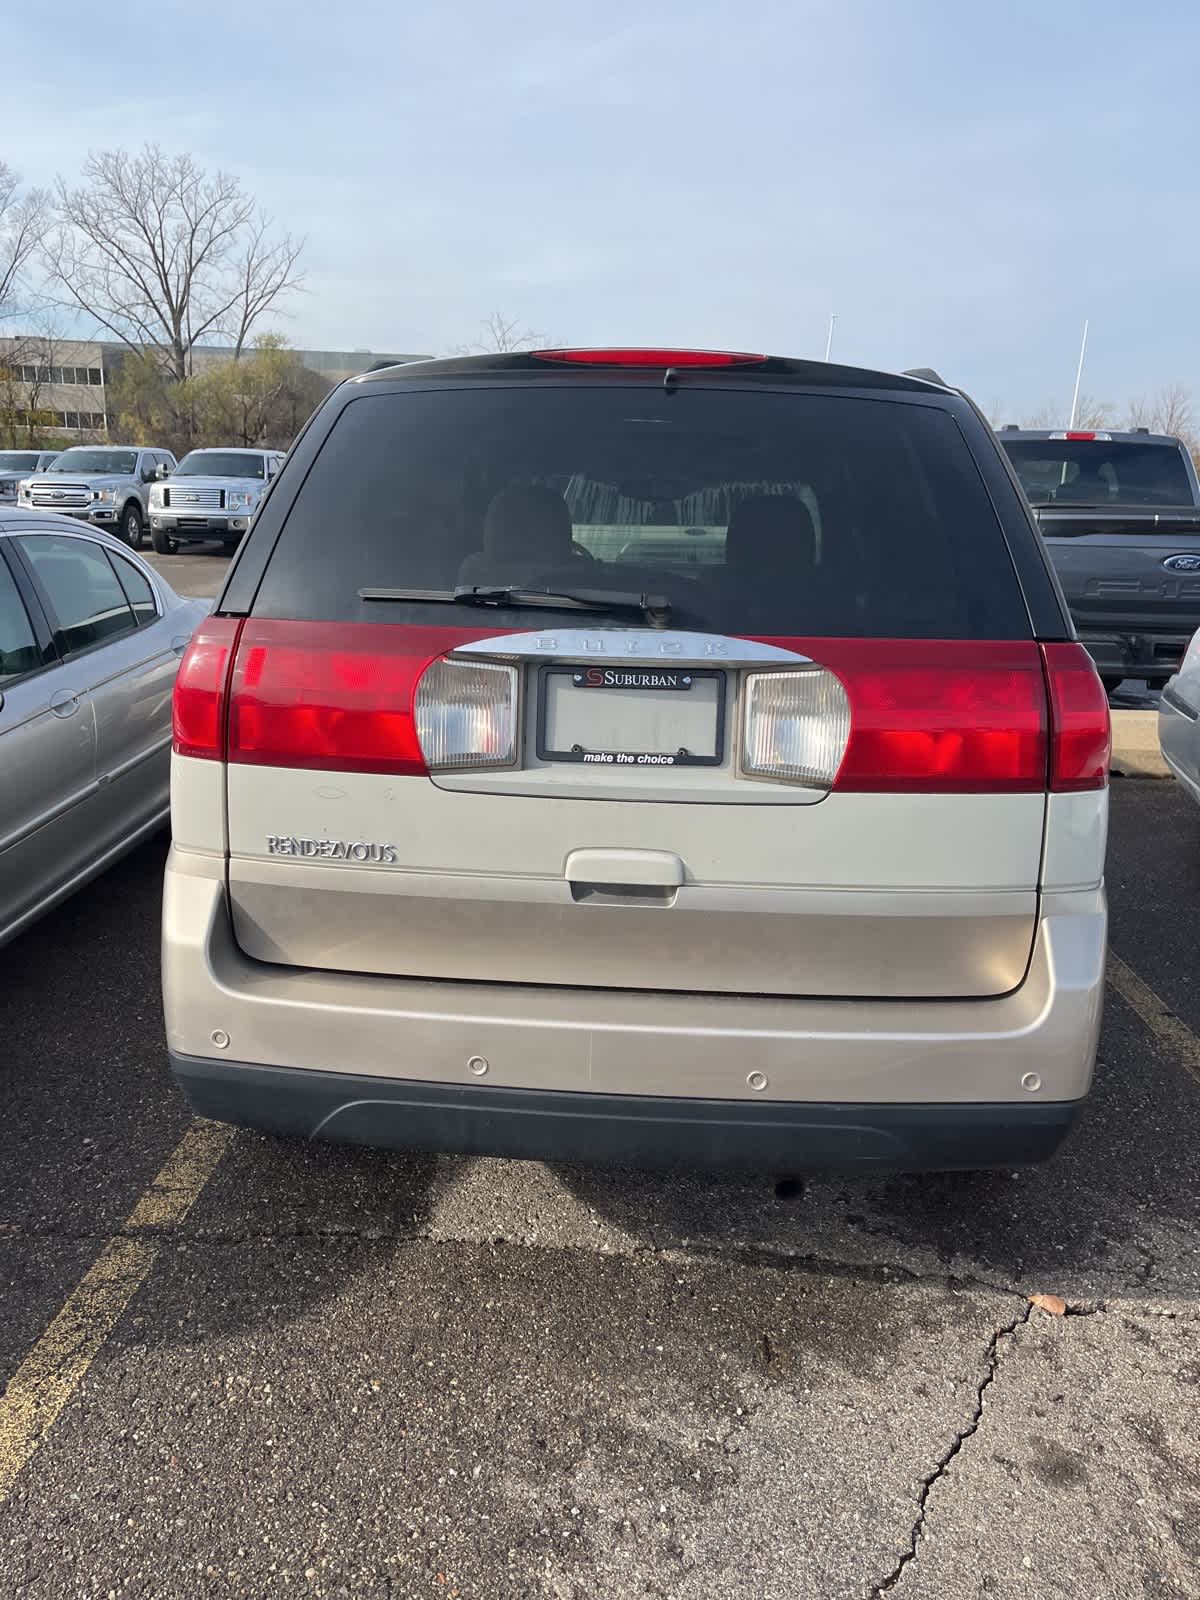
pixel 586 675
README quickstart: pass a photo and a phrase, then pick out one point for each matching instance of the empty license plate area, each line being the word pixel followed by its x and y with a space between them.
pixel 631 716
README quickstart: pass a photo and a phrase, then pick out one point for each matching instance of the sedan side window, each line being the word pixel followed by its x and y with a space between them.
pixel 19 653
pixel 137 589
pixel 88 604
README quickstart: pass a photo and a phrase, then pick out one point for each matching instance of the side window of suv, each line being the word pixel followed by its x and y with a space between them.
pixel 19 653
pixel 88 606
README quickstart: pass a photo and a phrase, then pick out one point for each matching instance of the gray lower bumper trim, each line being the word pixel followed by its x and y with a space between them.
pixel 635 1130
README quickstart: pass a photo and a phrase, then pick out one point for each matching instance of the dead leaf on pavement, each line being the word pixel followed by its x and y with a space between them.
pixel 1053 1304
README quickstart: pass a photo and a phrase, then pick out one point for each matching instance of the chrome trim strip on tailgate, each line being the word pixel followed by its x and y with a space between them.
pixel 623 644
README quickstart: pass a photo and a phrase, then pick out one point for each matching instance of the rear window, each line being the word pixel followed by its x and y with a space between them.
pixel 1100 472
pixel 753 511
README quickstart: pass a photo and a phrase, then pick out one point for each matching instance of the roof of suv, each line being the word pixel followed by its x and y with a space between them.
pixel 548 364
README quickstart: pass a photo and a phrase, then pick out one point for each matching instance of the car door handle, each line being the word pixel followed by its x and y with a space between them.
pixel 180 643
pixel 64 702
pixel 616 877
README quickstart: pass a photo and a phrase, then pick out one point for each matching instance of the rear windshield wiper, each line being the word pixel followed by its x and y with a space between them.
pixel 654 608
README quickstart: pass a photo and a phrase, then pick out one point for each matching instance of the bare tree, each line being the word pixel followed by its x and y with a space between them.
pixel 26 374
pixel 161 254
pixel 501 333
pixel 1090 413
pixel 265 270
pixel 1170 409
pixel 22 220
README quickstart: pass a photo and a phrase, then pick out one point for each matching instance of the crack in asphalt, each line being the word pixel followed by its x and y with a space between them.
pixel 991 1367
pixel 775 1259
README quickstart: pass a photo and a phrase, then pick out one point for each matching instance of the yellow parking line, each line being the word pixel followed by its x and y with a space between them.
pixel 58 1362
pixel 1155 1013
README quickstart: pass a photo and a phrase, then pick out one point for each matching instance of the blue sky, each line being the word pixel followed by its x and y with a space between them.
pixel 962 184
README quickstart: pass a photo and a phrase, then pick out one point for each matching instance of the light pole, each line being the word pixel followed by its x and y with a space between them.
pixel 829 340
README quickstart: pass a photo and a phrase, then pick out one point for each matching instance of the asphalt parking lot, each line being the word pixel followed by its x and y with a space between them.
pixel 195 569
pixel 320 1370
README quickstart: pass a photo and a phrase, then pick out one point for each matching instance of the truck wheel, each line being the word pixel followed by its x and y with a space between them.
pixel 131 525
pixel 163 542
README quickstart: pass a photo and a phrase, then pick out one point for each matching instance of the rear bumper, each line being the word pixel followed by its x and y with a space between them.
pixel 633 1130
pixel 728 1077
pixel 1133 654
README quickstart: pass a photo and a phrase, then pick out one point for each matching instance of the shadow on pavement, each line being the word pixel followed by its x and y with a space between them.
pixel 1118 1210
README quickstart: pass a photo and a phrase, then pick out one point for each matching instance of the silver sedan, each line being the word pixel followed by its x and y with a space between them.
pixel 1179 720
pixel 90 641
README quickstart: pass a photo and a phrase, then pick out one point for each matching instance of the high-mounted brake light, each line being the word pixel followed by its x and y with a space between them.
pixel 201 684
pixel 1076 433
pixel 651 358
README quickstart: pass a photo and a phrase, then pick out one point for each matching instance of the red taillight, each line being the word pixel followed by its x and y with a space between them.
pixel 938 716
pixel 651 358
pixel 332 695
pixel 198 706
pixel 1080 726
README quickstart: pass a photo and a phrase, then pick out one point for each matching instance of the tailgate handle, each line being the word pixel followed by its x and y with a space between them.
pixel 629 877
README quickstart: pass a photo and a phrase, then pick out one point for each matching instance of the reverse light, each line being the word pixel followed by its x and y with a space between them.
pixel 796 727
pixel 466 715
pixel 650 358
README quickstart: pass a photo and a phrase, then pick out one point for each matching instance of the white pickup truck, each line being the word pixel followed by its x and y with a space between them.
pixel 211 494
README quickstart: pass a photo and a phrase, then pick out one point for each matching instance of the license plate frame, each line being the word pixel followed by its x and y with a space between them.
pixel 630 757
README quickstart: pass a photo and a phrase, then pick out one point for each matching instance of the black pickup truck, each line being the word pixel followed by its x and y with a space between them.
pixel 1120 514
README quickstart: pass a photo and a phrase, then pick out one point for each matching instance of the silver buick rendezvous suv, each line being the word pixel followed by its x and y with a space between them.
pixel 646 756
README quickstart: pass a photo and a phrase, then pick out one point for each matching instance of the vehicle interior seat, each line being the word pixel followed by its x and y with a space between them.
pixel 771 540
pixel 1088 485
pixel 526 531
